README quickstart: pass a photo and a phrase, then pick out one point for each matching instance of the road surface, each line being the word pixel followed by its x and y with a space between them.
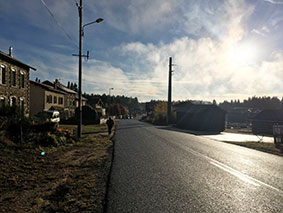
pixel 158 169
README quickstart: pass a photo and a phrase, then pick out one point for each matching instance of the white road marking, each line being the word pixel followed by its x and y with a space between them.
pixel 235 172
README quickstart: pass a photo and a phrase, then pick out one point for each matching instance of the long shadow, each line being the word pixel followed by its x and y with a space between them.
pixel 85 133
pixel 194 132
pixel 133 127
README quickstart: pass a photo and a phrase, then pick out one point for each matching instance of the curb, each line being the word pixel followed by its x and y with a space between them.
pixel 105 201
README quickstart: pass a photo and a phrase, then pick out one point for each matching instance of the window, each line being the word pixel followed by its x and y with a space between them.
pixel 13 101
pixel 49 99
pixel 3 74
pixel 60 100
pixel 22 80
pixel 55 100
pixel 22 105
pixel 2 102
pixel 13 78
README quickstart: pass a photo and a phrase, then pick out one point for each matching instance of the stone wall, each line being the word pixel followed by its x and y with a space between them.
pixel 7 90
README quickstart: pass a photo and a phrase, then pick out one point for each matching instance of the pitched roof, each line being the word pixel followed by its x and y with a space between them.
pixel 63 88
pixel 11 59
pixel 270 115
pixel 197 108
pixel 47 87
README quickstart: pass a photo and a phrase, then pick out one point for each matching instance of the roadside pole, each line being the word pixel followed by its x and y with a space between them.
pixel 169 92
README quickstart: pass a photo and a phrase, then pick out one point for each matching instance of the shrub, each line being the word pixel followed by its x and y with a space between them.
pixel 15 124
pixel 89 115
pixel 159 115
pixel 44 127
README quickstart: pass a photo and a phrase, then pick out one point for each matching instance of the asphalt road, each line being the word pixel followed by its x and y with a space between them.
pixel 158 169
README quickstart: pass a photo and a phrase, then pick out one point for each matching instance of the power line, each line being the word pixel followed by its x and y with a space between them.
pixel 76 2
pixel 58 23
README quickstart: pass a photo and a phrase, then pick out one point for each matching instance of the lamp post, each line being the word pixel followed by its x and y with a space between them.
pixel 110 91
pixel 81 34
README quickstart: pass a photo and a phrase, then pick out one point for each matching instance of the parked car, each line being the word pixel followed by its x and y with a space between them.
pixel 48 115
pixel 53 115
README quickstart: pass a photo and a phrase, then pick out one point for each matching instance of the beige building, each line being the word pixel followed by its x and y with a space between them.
pixel 71 97
pixel 44 97
pixel 14 82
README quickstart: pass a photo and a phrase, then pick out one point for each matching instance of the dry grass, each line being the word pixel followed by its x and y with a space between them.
pixel 65 179
pixel 265 147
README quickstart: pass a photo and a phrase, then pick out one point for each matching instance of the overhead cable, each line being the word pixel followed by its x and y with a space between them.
pixel 58 23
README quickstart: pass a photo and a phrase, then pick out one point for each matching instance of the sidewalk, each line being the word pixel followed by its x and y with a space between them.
pixel 237 137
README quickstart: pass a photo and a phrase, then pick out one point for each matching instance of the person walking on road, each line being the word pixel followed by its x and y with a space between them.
pixel 110 124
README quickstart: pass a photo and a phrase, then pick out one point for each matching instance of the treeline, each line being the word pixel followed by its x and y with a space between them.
pixel 131 104
pixel 256 103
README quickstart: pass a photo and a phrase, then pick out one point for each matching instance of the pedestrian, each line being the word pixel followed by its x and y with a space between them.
pixel 110 124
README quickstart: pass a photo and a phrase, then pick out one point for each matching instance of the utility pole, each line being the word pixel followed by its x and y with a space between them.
pixel 169 92
pixel 81 34
pixel 80 7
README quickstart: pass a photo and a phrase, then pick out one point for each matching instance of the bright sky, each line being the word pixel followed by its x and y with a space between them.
pixel 222 49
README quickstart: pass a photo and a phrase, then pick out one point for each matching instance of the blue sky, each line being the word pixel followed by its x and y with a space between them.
pixel 222 49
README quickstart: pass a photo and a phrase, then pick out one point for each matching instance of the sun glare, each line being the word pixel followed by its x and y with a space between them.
pixel 242 54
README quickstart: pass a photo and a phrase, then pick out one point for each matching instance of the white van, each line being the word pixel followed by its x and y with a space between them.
pixel 53 115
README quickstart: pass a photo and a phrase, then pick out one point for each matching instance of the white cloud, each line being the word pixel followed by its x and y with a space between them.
pixel 274 1
pixel 204 71
pixel 141 16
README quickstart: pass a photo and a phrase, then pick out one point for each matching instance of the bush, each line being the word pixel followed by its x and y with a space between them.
pixel 44 127
pixel 89 115
pixel 15 124
pixel 19 128
pixel 159 115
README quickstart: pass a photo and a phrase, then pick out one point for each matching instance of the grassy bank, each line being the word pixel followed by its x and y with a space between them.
pixel 70 178
pixel 260 146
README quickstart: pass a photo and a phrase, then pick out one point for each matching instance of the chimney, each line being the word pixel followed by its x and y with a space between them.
pixel 10 51
pixel 56 83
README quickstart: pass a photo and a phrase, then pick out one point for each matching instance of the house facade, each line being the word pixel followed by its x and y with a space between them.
pixel 14 82
pixel 71 98
pixel 44 97
pixel 263 122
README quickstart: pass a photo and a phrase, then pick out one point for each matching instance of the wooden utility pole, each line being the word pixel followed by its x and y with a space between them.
pixel 81 34
pixel 80 7
pixel 169 92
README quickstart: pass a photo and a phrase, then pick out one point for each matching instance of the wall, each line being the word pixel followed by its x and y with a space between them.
pixel 37 99
pixel 53 94
pixel 7 90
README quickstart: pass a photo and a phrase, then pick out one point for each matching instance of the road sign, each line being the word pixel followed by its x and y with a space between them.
pixel 278 134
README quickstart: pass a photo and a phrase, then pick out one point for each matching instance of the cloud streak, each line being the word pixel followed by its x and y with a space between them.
pixel 274 1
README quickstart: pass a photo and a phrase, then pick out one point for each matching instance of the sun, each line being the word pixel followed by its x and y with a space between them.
pixel 243 54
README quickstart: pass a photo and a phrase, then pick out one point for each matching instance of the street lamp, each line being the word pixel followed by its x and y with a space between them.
pixel 93 22
pixel 81 34
pixel 110 91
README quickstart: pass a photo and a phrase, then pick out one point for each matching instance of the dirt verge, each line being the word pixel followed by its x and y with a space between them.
pixel 66 179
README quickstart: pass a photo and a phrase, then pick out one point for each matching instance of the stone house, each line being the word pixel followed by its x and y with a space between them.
pixel 44 97
pixel 14 82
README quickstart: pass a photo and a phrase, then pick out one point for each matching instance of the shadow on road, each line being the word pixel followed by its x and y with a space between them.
pixel 94 132
pixel 175 129
pixel 132 126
